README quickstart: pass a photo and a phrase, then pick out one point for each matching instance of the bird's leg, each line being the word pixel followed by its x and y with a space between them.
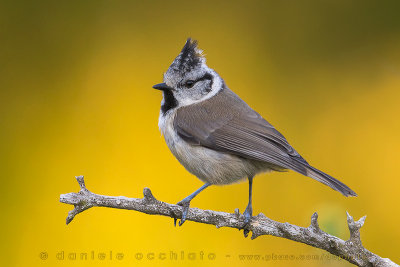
pixel 184 203
pixel 248 213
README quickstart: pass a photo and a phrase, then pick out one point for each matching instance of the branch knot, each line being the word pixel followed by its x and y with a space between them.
pixel 354 228
pixel 148 196
pixel 314 226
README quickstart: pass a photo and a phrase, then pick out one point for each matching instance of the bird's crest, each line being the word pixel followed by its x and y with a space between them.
pixel 190 57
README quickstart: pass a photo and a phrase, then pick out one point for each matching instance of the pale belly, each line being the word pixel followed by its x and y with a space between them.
pixel 206 164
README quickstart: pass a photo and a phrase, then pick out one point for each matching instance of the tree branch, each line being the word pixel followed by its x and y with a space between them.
pixel 351 250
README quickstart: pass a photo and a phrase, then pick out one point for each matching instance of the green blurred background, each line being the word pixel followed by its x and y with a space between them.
pixel 76 99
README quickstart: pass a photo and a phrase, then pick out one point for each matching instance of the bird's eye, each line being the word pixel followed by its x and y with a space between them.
pixel 189 83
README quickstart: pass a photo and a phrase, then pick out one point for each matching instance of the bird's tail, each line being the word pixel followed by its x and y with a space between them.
pixel 329 181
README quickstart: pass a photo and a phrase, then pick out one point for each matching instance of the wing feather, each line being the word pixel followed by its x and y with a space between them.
pixel 226 123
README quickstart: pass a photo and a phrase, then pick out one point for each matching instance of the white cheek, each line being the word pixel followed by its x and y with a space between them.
pixel 215 88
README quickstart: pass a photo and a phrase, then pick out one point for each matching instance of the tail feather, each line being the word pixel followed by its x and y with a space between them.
pixel 329 181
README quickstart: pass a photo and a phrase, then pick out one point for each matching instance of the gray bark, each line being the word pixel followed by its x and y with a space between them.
pixel 351 250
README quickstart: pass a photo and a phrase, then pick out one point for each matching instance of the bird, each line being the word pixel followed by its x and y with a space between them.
pixel 217 136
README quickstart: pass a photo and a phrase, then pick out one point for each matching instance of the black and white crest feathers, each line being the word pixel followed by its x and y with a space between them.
pixel 190 57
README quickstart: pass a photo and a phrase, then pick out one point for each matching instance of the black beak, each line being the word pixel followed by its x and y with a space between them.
pixel 162 86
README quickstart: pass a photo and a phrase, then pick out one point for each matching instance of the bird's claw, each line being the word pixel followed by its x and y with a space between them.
pixel 185 208
pixel 247 219
pixel 173 215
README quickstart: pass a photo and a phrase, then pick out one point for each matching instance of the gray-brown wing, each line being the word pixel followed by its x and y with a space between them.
pixel 226 123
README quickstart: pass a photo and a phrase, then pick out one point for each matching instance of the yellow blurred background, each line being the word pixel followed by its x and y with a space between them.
pixel 76 99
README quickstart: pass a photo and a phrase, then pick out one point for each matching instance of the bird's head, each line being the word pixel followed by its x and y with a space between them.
pixel 188 78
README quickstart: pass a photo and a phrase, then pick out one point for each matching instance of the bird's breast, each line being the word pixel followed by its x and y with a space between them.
pixel 208 165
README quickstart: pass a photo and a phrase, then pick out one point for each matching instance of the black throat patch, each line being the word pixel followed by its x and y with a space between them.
pixel 170 101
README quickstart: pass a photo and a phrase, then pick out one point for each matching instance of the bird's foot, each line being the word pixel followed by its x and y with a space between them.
pixel 185 208
pixel 248 214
